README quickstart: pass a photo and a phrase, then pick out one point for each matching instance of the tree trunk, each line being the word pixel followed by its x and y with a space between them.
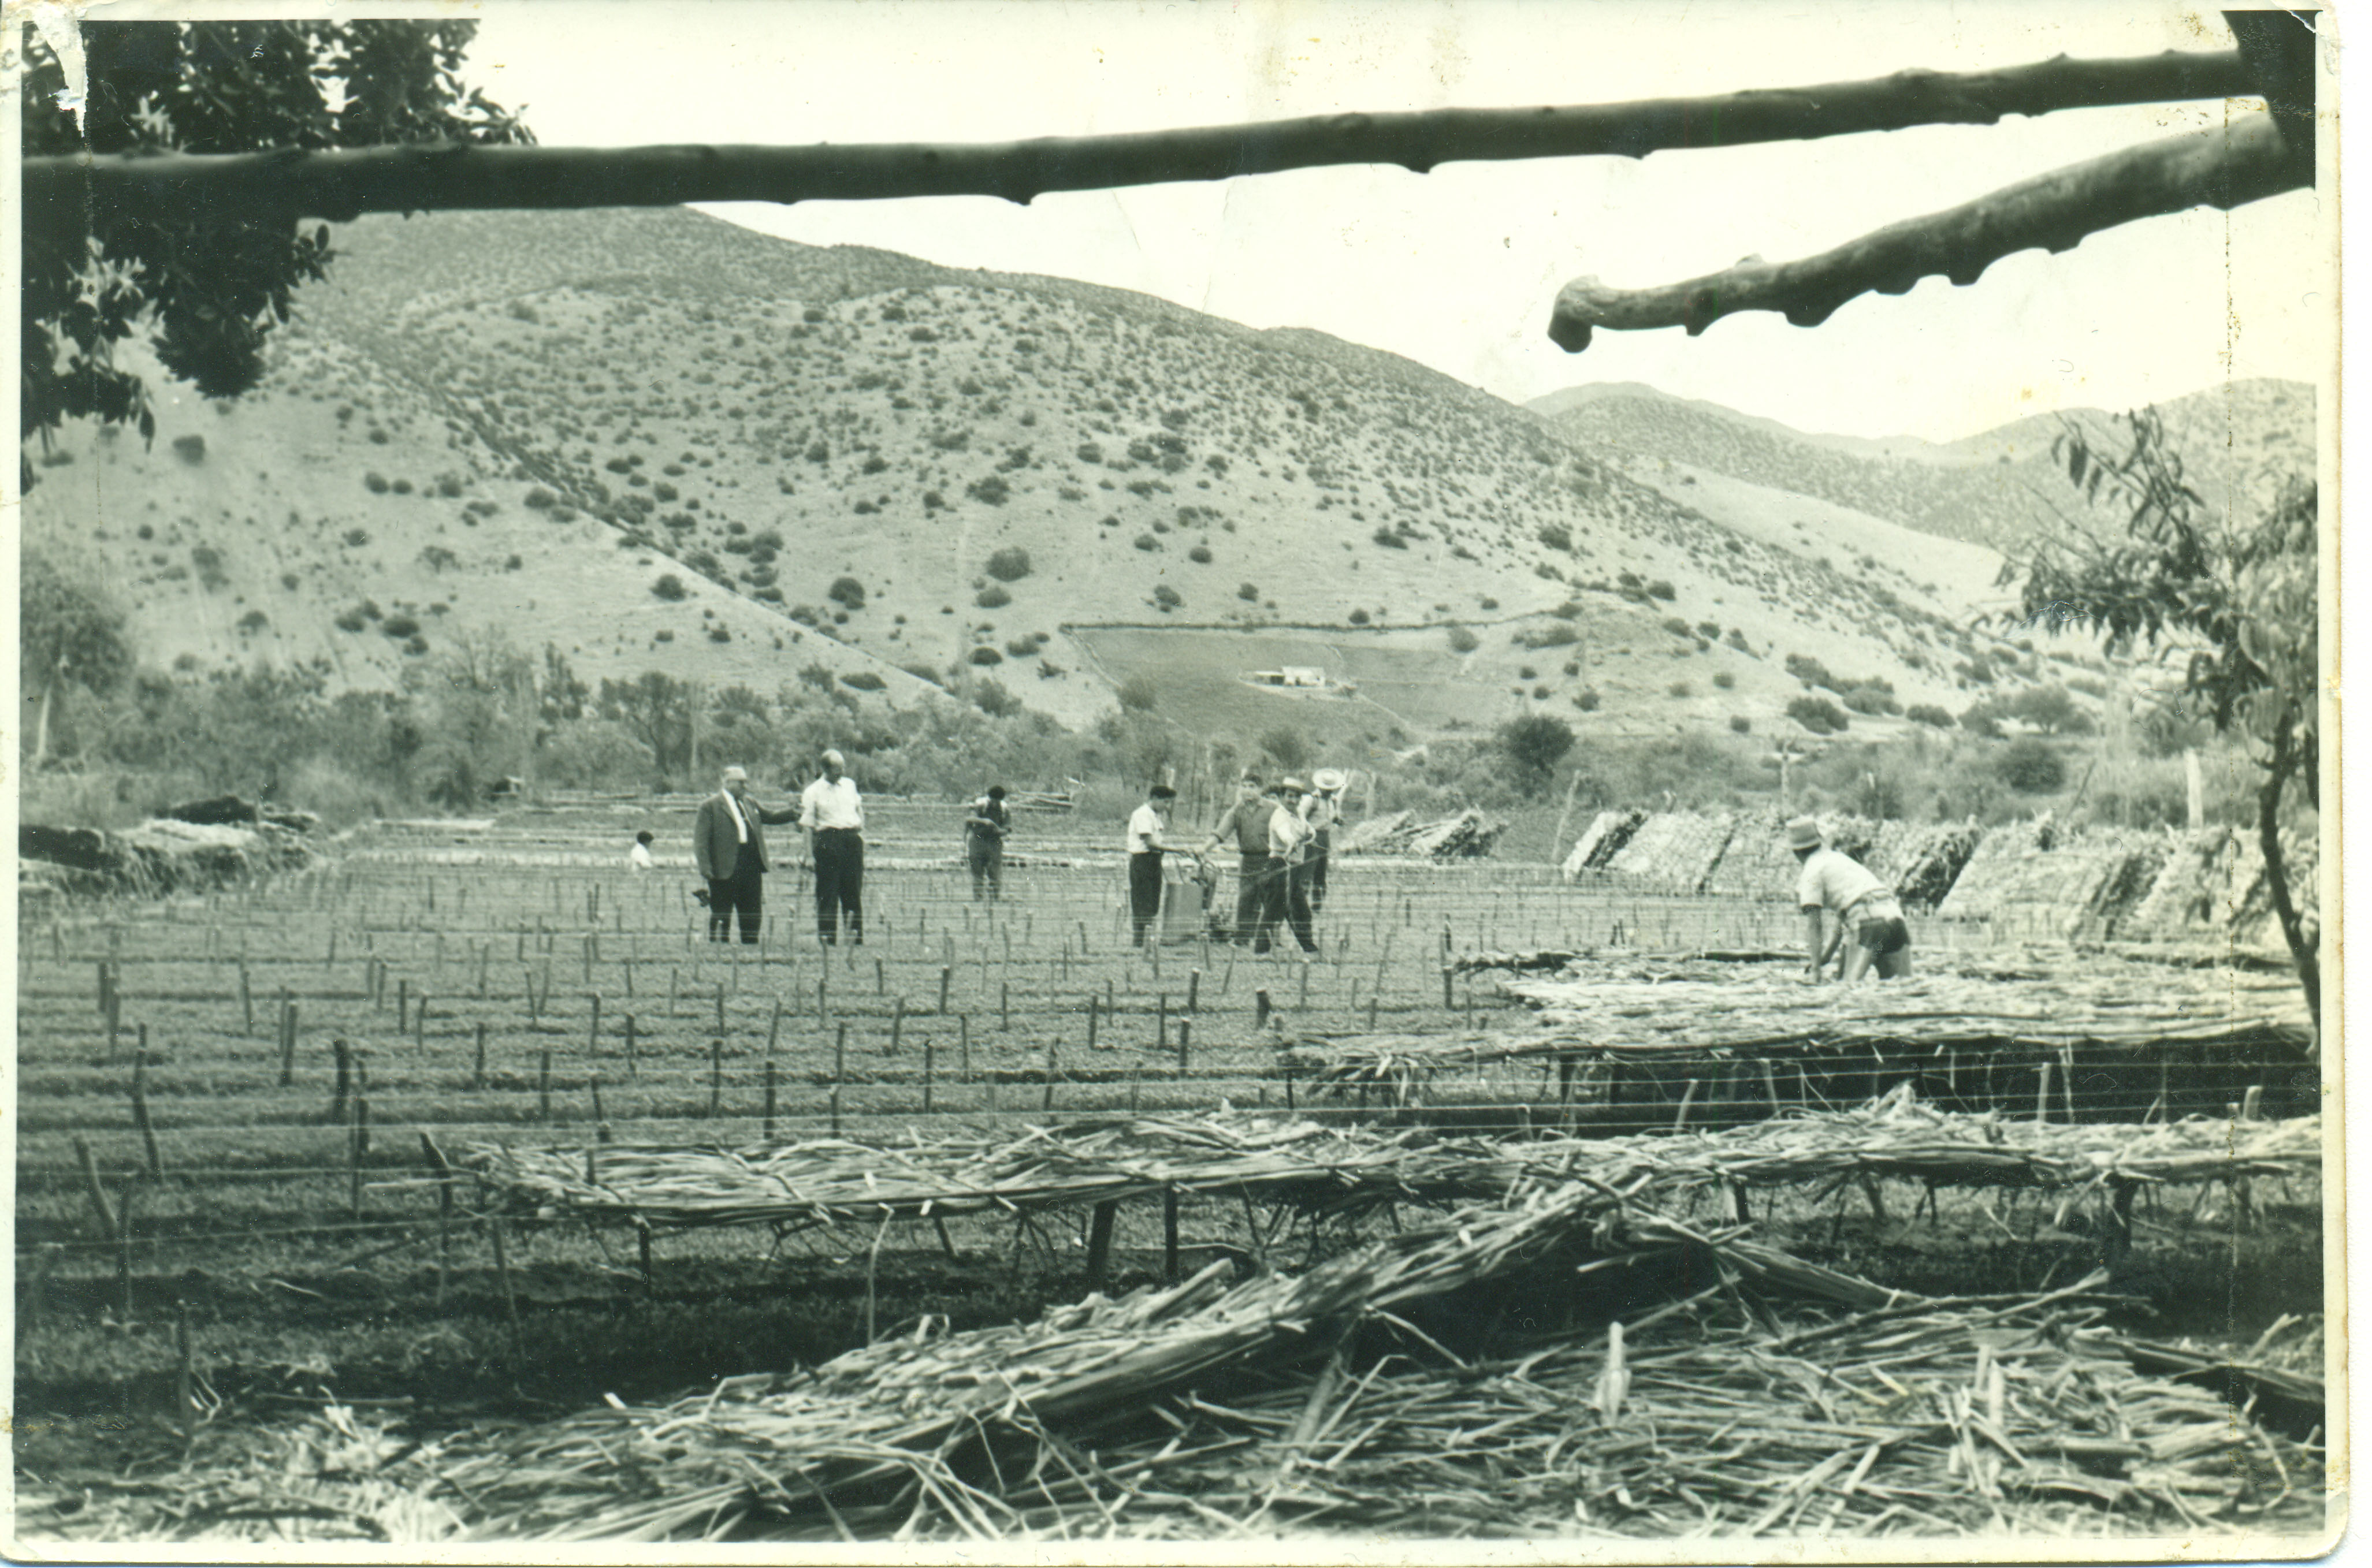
pixel 2304 951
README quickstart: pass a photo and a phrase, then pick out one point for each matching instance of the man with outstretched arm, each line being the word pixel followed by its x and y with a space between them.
pixel 833 815
pixel 1246 821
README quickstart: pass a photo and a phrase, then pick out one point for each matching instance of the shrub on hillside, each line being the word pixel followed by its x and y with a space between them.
pixel 1146 542
pixel 1287 747
pixel 1662 589
pixel 1678 626
pixel 669 586
pixel 1010 564
pixel 1138 693
pixel 1724 680
pixel 1740 723
pixel 190 448
pixel 1200 555
pixel 2031 766
pixel 1358 618
pixel 1534 746
pixel 1462 641
pixel 990 492
pixel 1389 539
pixel 400 625
pixel 1928 713
pixel 1586 700
pixel 1555 635
pixel 1166 597
pixel 1680 689
pixel 985 656
pixel 1872 697
pixel 992 697
pixel 993 596
pixel 863 680
pixel 1818 714
pixel 847 592
pixel 1248 592
pixel 374 482
pixel 1556 536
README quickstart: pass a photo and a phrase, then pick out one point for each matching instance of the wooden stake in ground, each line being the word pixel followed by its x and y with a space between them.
pixel 140 1107
pixel 101 1210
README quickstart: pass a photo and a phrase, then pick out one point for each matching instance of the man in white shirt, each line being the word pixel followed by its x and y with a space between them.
pixel 1146 847
pixel 833 816
pixel 1288 845
pixel 1867 911
pixel 728 844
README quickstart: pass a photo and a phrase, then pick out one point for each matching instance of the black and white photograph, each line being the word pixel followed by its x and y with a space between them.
pixel 1291 781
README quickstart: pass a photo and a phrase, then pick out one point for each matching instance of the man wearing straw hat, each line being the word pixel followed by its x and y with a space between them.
pixel 1867 911
pixel 1321 807
pixel 729 843
pixel 833 816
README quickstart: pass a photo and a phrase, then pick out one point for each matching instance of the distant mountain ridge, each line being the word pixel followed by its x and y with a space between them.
pixel 1998 488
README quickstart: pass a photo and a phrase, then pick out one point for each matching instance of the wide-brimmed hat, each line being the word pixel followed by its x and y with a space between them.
pixel 1329 780
pixel 737 775
pixel 1292 785
pixel 1803 833
pixel 835 757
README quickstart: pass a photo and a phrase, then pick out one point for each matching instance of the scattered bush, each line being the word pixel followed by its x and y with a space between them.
pixel 1462 641
pixel 1166 597
pixel 1724 680
pixel 374 482
pixel 1928 713
pixel 1389 539
pixel 1010 564
pixel 863 680
pixel 1741 724
pixel 1146 542
pixel 1586 700
pixel 1248 592
pixel 990 492
pixel 1556 536
pixel 190 448
pixel 400 625
pixel 1200 555
pixel 719 635
pixel 1358 618
pixel 847 592
pixel 993 596
pixel 985 656
pixel 2031 766
pixel 1818 714
pixel 1662 589
pixel 1680 689
pixel 669 586
pixel 1138 695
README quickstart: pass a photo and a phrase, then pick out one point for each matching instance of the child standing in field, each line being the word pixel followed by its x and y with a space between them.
pixel 638 859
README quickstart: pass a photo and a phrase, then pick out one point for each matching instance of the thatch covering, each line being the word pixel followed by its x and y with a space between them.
pixel 1204 1410
pixel 1680 1010
pixel 1976 893
pixel 1675 850
pixel 1349 1170
pixel 1460 834
pixel 973 1170
pixel 162 855
pixel 1601 841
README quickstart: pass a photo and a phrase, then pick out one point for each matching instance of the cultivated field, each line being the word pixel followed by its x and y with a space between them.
pixel 222 1226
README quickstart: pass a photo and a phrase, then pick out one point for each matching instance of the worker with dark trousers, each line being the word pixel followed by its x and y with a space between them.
pixel 729 842
pixel 1246 821
pixel 833 816
pixel 1146 848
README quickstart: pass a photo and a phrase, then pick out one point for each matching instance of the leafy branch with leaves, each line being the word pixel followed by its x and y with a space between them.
pixel 2239 598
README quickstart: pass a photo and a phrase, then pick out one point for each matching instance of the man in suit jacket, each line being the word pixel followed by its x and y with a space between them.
pixel 729 843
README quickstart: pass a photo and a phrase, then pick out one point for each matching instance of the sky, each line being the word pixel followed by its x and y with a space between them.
pixel 1458 269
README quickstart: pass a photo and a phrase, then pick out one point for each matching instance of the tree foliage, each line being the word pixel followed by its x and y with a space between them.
pixel 207 291
pixel 2238 597
pixel 1534 746
pixel 68 634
